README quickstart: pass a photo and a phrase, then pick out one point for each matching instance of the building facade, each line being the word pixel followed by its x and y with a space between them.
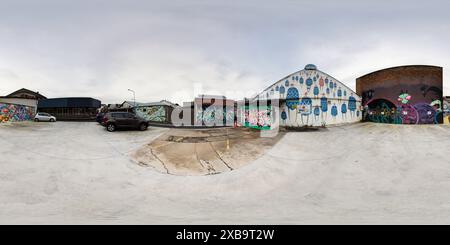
pixel 308 97
pixel 402 95
pixel 71 109
pixel 155 112
pixel 20 105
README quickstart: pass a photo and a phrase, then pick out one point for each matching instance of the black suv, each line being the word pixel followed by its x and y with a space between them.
pixel 116 120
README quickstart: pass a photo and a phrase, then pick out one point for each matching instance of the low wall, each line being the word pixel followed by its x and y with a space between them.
pixel 15 113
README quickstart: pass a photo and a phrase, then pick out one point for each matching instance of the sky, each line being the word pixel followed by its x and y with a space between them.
pixel 178 49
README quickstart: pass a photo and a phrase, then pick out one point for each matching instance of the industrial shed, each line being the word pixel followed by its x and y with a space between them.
pixel 69 109
pixel 308 97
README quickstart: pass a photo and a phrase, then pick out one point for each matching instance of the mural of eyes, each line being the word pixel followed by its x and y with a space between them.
pixel 408 114
pixel 301 80
pixel 282 89
pixel 286 83
pixel 426 112
pixel 324 104
pixel 292 98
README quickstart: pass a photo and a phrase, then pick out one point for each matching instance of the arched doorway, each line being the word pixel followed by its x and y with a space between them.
pixel 382 111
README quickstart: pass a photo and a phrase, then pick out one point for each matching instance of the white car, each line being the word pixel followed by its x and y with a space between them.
pixel 42 116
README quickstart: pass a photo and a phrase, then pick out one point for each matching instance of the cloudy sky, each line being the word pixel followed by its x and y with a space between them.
pixel 175 49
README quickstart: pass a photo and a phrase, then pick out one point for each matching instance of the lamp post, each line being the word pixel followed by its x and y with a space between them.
pixel 134 96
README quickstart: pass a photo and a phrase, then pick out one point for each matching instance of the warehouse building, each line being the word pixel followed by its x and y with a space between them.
pixel 403 95
pixel 308 97
pixel 70 109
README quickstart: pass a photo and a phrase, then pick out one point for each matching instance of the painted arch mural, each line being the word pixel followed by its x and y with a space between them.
pixel 403 95
pixel 311 97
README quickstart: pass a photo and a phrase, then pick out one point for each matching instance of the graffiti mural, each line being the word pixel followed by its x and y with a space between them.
pixel 215 115
pixel 446 111
pixel 258 117
pixel 313 98
pixel 152 113
pixel 403 95
pixel 15 113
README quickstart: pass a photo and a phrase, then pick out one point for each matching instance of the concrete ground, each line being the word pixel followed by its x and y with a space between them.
pixel 204 151
pixel 356 174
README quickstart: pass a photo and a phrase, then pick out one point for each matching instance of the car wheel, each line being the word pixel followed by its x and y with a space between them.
pixel 52 120
pixel 111 127
pixel 36 120
pixel 143 127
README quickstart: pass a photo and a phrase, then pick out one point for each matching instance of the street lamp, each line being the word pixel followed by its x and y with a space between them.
pixel 134 96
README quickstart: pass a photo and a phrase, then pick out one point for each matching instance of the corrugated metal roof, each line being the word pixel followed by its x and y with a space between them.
pixel 74 102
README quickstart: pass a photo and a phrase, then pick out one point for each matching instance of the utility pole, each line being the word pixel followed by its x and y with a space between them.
pixel 134 96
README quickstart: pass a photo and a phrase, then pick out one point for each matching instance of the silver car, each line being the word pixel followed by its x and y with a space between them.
pixel 44 117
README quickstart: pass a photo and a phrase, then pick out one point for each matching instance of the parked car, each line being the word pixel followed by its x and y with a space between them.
pixel 117 120
pixel 99 117
pixel 44 117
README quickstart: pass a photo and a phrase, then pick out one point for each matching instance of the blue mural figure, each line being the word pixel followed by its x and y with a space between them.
pixel 282 90
pixel 305 109
pixel 296 78
pixel 309 83
pixel 315 79
pixel 277 88
pixel 352 105
pixel 339 94
pixel 316 91
pixel 345 93
pixel 283 116
pixel 301 80
pixel 326 82
pixel 334 111
pixel 344 111
pixel 316 113
pixel 328 91
pixel 324 108
pixel 292 100
pixel 286 83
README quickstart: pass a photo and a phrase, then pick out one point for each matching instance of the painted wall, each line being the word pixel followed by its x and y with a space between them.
pixel 15 113
pixel 156 113
pixel 214 115
pixel 446 109
pixel 403 95
pixel 314 98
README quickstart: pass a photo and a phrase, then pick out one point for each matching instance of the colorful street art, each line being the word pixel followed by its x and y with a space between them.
pixel 403 95
pixel 215 115
pixel 383 111
pixel 313 98
pixel 152 113
pixel 258 117
pixel 446 111
pixel 15 113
